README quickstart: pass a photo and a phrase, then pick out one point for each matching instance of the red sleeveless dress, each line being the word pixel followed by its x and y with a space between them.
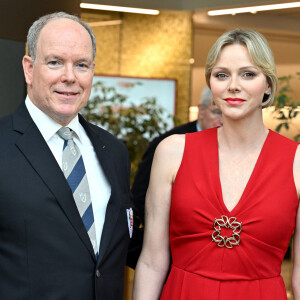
pixel 237 255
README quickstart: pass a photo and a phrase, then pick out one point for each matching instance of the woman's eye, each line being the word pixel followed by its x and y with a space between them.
pixel 221 75
pixel 248 75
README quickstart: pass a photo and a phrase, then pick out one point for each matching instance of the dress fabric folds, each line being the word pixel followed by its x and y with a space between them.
pixel 262 222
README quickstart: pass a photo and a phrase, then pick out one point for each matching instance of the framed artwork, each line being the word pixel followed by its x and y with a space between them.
pixel 138 89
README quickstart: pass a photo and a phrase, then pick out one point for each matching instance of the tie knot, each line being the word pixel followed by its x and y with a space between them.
pixel 65 133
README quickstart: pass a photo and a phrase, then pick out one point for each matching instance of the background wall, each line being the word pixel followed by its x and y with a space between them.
pixel 12 82
pixel 146 46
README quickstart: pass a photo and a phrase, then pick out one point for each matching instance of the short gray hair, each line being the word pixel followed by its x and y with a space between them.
pixel 206 97
pixel 38 25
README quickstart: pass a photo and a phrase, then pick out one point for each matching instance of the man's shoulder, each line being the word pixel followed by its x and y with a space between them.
pixel 5 120
pixel 182 129
pixel 6 123
pixel 18 121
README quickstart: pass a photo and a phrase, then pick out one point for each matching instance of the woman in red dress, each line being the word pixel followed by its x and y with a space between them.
pixel 222 203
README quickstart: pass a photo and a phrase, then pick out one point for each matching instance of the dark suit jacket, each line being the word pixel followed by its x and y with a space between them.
pixel 141 181
pixel 45 251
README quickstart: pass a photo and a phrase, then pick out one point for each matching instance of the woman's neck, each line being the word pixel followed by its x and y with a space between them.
pixel 246 135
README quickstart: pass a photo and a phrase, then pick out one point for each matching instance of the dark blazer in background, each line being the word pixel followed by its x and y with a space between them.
pixel 141 181
pixel 45 251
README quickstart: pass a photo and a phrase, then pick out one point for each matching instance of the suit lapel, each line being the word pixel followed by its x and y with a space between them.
pixel 33 146
pixel 106 161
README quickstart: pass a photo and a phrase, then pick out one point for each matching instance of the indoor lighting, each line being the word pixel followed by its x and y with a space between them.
pixel 120 9
pixel 252 9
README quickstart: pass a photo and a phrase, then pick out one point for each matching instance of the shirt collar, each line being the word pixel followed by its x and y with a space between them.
pixel 198 126
pixel 75 126
pixel 46 125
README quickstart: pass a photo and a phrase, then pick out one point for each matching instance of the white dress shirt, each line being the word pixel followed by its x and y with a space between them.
pixel 198 126
pixel 100 189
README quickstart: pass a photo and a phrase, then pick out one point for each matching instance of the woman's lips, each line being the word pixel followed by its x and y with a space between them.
pixel 234 101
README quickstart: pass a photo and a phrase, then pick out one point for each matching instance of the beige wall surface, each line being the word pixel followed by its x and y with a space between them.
pixel 146 46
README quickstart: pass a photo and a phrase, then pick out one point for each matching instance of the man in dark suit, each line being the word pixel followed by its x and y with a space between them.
pixel 61 236
pixel 208 116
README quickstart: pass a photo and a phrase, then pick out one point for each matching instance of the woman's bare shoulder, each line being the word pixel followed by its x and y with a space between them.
pixel 172 144
pixel 297 170
pixel 168 155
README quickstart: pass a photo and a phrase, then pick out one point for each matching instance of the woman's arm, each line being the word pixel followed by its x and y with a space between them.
pixel 296 267
pixel 154 261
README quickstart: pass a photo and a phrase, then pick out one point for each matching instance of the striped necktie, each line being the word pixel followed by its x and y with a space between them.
pixel 74 171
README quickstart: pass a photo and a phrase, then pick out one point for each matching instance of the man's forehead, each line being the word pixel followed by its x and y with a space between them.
pixel 59 32
pixel 63 24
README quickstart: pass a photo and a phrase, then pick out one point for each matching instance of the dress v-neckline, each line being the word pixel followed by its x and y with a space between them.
pixel 251 178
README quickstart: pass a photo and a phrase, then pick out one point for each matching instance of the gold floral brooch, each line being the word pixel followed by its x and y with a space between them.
pixel 230 223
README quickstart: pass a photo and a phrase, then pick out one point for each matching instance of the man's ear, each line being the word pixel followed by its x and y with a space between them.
pixel 200 112
pixel 28 69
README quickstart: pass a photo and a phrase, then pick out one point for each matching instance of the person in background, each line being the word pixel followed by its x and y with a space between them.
pixel 209 115
pixel 66 216
pixel 223 202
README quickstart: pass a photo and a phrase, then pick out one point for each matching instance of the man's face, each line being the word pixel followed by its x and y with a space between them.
pixel 209 117
pixel 60 80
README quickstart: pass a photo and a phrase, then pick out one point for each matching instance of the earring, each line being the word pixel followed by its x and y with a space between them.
pixel 266 99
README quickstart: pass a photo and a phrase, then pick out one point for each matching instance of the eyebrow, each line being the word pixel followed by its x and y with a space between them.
pixel 83 59
pixel 52 57
pixel 242 68
pixel 89 61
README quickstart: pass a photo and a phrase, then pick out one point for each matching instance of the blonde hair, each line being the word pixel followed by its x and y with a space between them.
pixel 259 52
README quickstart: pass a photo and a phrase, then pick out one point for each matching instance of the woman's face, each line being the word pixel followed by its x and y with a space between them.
pixel 237 84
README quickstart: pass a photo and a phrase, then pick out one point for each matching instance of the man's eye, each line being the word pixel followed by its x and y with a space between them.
pixel 216 112
pixel 83 66
pixel 53 63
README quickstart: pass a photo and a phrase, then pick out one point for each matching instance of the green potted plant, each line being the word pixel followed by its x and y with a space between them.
pixel 286 109
pixel 134 124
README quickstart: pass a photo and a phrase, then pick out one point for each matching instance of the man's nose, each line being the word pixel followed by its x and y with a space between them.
pixel 68 74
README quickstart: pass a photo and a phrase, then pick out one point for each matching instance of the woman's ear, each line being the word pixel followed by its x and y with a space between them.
pixel 268 91
pixel 269 87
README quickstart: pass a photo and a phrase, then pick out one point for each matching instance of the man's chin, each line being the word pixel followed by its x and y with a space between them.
pixel 64 117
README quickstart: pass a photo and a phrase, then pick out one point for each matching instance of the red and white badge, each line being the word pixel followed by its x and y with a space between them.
pixel 130 220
